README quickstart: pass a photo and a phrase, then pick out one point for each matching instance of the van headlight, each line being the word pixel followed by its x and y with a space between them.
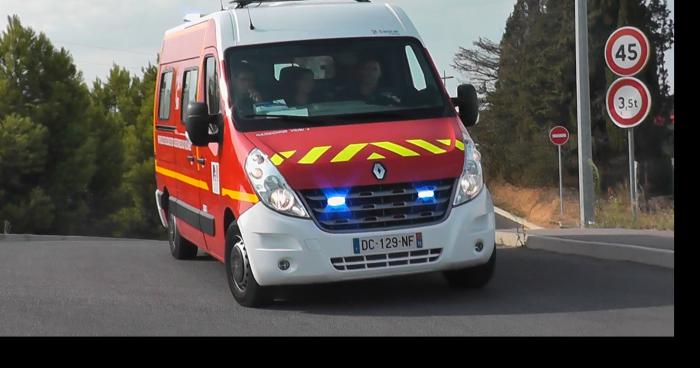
pixel 472 180
pixel 271 187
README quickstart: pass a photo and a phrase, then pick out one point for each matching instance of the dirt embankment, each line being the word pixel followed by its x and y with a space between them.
pixel 541 207
pixel 537 205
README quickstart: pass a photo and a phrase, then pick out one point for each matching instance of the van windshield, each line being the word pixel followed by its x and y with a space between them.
pixel 329 82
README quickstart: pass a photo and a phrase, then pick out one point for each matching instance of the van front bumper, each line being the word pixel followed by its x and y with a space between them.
pixel 270 237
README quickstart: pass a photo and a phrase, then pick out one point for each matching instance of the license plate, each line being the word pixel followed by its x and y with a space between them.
pixel 389 243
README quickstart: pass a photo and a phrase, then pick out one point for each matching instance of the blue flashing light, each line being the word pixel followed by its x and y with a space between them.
pixel 426 194
pixel 336 201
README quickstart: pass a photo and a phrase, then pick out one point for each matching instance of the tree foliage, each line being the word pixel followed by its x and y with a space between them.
pixel 73 160
pixel 535 89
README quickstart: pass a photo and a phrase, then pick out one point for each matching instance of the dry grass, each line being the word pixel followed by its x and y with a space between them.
pixel 537 205
pixel 541 206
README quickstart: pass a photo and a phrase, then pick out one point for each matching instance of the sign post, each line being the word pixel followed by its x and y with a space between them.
pixel 633 177
pixel 628 103
pixel 559 136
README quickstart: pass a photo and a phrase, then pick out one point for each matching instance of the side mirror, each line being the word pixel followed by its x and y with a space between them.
pixel 198 121
pixel 468 103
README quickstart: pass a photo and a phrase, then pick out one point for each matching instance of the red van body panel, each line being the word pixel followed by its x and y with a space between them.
pixel 331 170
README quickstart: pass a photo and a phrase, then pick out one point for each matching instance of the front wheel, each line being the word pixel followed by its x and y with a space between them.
pixel 474 277
pixel 244 287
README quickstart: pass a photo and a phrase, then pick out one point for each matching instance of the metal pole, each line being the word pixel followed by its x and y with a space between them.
pixel 445 77
pixel 633 179
pixel 673 179
pixel 561 187
pixel 636 186
pixel 585 156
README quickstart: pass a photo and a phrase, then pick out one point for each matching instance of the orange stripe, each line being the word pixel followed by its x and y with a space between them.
pixel 240 196
pixel 183 178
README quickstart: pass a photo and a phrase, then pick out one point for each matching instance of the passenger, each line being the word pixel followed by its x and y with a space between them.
pixel 297 84
pixel 368 73
pixel 244 93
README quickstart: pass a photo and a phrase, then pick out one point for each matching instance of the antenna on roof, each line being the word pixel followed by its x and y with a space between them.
pixel 250 19
pixel 244 4
pixel 222 4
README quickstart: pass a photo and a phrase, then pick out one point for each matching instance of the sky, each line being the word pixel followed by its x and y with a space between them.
pixel 129 33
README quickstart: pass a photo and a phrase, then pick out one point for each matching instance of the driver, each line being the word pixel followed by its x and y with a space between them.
pixel 245 94
pixel 368 73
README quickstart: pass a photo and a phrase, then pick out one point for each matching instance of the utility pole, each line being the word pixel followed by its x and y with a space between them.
pixel 445 77
pixel 585 156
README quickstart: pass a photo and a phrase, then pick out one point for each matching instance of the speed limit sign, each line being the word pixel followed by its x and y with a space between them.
pixel 628 102
pixel 627 51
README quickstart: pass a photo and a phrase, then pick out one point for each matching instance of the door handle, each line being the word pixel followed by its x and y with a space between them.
pixel 202 161
pixel 190 159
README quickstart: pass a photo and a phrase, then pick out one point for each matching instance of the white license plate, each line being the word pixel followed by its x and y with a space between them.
pixel 388 243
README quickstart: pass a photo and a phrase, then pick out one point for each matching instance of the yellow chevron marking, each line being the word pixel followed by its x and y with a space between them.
pixel 288 154
pixel 398 149
pixel 349 152
pixel 448 142
pixel 376 156
pixel 314 155
pixel 426 146
pixel 276 159
pixel 239 196
pixel 183 178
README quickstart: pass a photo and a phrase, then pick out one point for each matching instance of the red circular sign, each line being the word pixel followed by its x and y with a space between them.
pixel 628 102
pixel 559 135
pixel 627 51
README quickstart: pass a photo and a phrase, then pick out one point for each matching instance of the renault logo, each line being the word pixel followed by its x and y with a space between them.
pixel 379 171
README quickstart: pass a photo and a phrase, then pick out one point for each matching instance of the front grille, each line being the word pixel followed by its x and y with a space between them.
pixel 396 259
pixel 380 206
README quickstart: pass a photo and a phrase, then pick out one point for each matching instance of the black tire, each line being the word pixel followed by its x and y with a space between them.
pixel 244 287
pixel 473 277
pixel 180 248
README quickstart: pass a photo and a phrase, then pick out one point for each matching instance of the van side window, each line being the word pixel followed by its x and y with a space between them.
pixel 211 85
pixel 166 88
pixel 189 91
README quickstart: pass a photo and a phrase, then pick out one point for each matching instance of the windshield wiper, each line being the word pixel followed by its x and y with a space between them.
pixel 292 118
pixel 376 114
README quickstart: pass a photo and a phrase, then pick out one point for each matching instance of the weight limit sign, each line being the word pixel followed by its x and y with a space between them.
pixel 628 102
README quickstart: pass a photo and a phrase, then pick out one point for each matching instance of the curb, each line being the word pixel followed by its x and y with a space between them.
pixel 609 251
pixel 511 238
pixel 526 224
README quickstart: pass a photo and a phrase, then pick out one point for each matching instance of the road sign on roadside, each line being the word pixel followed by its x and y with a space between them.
pixel 627 51
pixel 628 102
pixel 559 135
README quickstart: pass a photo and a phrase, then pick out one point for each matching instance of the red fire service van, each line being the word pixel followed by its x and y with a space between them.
pixel 313 141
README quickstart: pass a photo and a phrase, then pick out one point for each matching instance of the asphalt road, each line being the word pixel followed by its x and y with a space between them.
pixel 114 287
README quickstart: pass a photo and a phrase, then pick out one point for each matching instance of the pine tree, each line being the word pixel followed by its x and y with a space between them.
pixel 39 85
pixel 139 216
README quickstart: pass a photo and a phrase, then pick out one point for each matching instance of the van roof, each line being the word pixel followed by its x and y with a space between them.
pixel 282 21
